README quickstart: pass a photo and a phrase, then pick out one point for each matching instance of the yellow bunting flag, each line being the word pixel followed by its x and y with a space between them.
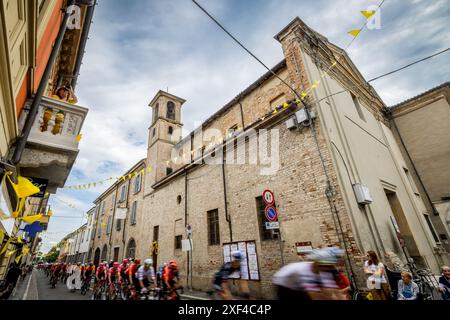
pixel 19 240
pixel 18 259
pixel 275 111
pixel 6 246
pixel 25 250
pixel 24 188
pixel 49 213
pixel 94 184
pixel 368 14
pixel 129 176
pixel 89 186
pixel 10 253
pixel 135 174
pixel 354 32
pixel 304 95
pixel 79 137
pixel 285 105
pixel 32 219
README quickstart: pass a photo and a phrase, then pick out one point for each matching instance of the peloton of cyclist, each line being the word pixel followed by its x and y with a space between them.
pixel 146 276
pixel 113 273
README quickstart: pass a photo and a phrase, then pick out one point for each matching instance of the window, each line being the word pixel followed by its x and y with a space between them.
pixel 123 193
pixel 155 112
pixel 232 131
pixel 178 242
pixel 118 224
pixel 102 208
pixel 155 233
pixel 213 227
pixel 169 171
pixel 179 199
pixel 137 183
pixel 265 234
pixel 170 130
pixel 109 225
pixel 133 213
pixel 171 110
pixel 131 251
pixel 99 232
pixel 113 202
pixel 358 107
pixel 154 131
pixel 430 225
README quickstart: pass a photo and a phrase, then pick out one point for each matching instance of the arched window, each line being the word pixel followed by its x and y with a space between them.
pixel 131 249
pixel 104 252
pixel 170 130
pixel 170 110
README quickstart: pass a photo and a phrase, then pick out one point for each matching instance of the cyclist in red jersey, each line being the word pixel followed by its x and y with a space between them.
pixel 122 271
pixel 113 273
pixel 132 273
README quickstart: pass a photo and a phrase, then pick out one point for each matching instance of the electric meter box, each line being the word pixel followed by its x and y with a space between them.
pixel 362 194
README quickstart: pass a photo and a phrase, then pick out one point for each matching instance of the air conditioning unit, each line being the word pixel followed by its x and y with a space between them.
pixel 362 194
pixel 302 116
pixel 292 124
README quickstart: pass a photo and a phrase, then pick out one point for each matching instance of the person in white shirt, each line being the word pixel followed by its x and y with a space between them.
pixel 376 281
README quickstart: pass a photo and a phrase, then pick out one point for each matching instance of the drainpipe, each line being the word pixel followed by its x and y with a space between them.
pixel 185 225
pixel 227 216
pixel 34 108
pixel 83 41
pixel 242 115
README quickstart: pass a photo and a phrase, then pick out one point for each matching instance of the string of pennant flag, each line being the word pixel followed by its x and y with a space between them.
pixel 368 14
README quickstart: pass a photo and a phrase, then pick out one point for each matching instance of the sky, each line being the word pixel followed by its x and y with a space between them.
pixel 138 47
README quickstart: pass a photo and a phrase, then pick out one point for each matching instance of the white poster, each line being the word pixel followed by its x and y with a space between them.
pixel 226 253
pixel 121 214
pixel 186 245
pixel 249 263
pixel 252 261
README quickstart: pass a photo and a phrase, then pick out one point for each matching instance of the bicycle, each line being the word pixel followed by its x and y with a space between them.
pixel 86 285
pixel 99 290
pixel 424 279
pixel 113 291
pixel 54 281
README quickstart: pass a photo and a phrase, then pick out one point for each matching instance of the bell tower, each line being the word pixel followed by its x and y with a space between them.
pixel 164 134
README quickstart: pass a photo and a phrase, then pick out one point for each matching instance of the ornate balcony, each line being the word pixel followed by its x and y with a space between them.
pixel 52 146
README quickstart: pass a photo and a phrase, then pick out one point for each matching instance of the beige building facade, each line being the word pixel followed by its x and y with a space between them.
pixel 421 126
pixel 315 199
pixel 118 213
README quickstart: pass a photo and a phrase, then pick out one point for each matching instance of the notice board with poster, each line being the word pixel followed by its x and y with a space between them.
pixel 249 262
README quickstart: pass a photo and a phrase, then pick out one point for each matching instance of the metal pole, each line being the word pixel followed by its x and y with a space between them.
pixel 190 263
pixel 280 242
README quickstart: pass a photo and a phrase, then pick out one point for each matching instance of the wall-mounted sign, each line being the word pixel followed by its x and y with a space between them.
pixel 271 214
pixel 268 197
pixel 272 225
pixel 304 248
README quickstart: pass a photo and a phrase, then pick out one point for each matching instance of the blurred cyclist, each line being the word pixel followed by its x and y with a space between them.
pixel 310 280
pixel 220 283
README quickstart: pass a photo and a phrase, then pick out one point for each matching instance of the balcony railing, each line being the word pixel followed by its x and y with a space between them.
pixel 57 124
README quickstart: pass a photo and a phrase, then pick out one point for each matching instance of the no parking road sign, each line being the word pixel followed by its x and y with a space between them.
pixel 271 214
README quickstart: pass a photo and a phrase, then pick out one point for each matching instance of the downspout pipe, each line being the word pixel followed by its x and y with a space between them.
pixel 83 40
pixel 34 108
pixel 227 216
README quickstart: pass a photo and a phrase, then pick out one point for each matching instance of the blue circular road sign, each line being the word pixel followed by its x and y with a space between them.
pixel 271 214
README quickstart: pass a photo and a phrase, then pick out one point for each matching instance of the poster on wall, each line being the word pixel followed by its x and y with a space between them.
pixel 249 261
pixel 252 261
